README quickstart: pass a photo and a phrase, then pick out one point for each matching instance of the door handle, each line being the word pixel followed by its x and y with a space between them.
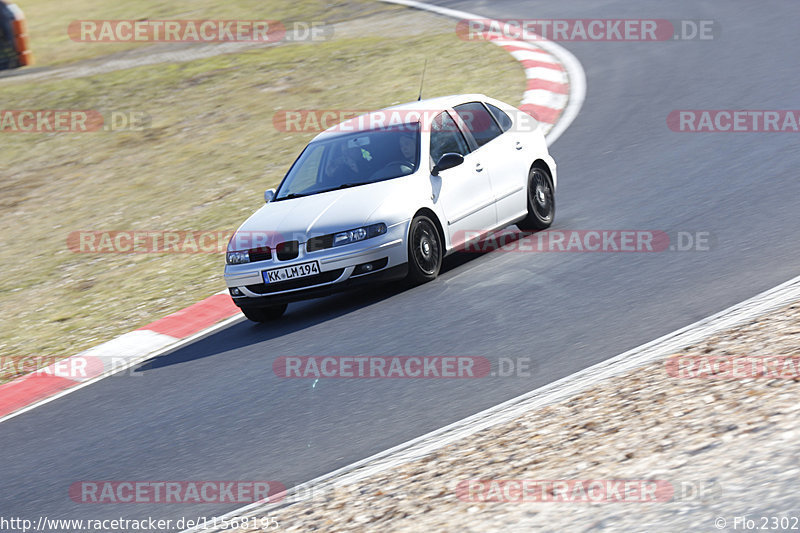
pixel 519 145
pixel 478 167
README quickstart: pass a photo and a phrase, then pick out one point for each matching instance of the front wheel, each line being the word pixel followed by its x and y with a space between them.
pixel 424 250
pixel 541 201
pixel 265 314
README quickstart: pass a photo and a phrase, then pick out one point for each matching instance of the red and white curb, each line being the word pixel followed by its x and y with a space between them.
pixel 555 80
pixel 67 375
pixel 547 92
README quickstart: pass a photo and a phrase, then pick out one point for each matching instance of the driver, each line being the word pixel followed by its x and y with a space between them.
pixel 408 149
pixel 342 166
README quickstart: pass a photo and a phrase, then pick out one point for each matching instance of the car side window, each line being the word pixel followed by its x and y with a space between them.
pixel 446 137
pixel 479 122
pixel 308 175
pixel 502 117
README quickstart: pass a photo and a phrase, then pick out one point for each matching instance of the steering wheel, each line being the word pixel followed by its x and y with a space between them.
pixel 390 164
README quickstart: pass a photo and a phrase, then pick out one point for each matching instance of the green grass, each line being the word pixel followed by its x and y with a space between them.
pixel 203 164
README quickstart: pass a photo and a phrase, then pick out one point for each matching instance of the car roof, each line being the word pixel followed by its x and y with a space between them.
pixel 428 107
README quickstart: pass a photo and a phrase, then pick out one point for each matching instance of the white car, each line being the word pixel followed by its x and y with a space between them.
pixel 387 195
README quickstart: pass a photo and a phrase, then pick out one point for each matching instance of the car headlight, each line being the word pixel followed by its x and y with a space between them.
pixel 359 234
pixel 237 258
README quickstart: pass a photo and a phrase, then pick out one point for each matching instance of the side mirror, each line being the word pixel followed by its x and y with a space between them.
pixel 448 160
pixel 269 194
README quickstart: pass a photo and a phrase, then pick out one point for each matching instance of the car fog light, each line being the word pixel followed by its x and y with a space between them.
pixel 366 268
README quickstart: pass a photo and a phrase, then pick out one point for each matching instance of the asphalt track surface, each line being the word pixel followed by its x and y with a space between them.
pixel 214 411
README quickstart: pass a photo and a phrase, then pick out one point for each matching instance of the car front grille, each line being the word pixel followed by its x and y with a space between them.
pixel 288 250
pixel 319 243
pixel 260 254
pixel 324 277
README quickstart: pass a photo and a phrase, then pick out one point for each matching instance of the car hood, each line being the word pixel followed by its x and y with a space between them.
pixel 319 214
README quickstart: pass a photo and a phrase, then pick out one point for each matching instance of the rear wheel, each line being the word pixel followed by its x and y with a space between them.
pixel 265 314
pixel 541 201
pixel 424 250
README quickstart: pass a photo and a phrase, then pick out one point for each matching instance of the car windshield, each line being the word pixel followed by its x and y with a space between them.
pixel 353 159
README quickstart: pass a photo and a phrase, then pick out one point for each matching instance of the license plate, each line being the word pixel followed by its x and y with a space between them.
pixel 302 270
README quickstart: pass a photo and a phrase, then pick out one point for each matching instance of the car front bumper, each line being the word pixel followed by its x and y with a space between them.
pixel 387 254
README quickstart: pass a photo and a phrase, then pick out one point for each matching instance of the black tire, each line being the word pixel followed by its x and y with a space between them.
pixel 424 250
pixel 265 314
pixel 541 201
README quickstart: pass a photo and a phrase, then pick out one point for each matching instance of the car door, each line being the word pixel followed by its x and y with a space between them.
pixel 502 156
pixel 514 147
pixel 465 191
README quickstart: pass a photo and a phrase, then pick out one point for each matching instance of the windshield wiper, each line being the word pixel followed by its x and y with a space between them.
pixel 292 195
pixel 301 194
pixel 344 186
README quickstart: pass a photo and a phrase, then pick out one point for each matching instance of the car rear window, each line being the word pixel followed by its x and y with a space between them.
pixel 502 118
pixel 479 122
